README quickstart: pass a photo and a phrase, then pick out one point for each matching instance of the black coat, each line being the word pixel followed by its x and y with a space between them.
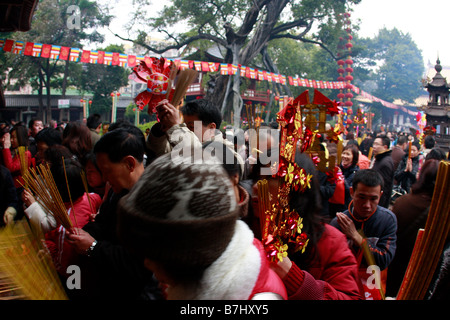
pixel 112 271
pixel 407 178
pixel 384 165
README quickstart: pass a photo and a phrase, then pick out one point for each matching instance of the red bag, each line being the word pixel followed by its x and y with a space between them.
pixel 339 192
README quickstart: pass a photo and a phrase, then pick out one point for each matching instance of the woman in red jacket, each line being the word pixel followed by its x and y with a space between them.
pixel 17 137
pixel 327 270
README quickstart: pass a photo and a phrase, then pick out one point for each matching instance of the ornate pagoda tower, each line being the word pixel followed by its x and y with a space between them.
pixel 438 108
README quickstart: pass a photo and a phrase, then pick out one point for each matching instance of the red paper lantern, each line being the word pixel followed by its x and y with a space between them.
pixel 350 70
pixel 340 79
pixel 348 103
pixel 350 111
pixel 349 121
pixel 348 45
pixel 341 62
pixel 349 95
pixel 340 70
pixel 349 61
pixel 349 78
pixel 81 100
pixel 340 95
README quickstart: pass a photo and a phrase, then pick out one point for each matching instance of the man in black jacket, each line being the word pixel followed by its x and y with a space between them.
pixel 109 270
pixel 384 165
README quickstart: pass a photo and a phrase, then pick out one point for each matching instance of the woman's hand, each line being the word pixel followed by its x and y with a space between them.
pixel 6 139
pixel 408 165
pixel 28 198
pixel 282 268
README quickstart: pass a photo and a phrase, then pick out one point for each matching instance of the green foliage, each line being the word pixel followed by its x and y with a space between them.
pixel 101 80
pixel 398 65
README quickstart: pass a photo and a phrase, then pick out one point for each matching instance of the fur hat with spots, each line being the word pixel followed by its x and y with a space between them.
pixel 180 211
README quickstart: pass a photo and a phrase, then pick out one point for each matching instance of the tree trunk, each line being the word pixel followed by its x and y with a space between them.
pixel 41 114
pixel 48 93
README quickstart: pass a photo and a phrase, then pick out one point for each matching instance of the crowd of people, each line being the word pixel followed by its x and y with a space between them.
pixel 165 225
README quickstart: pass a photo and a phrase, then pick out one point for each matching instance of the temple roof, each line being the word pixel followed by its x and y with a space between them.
pixel 438 80
pixel 16 15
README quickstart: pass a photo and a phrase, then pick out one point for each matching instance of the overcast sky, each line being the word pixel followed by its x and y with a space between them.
pixel 425 20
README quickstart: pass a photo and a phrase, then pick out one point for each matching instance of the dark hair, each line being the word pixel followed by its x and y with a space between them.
pixel 385 141
pixel 355 153
pixel 416 144
pixel 49 136
pixel 120 143
pixel 120 123
pixel 436 153
pixel 93 121
pixel 78 139
pixel 74 183
pixel 401 140
pixel 54 155
pixel 427 177
pixel 350 136
pixel 367 177
pixel 90 157
pixel 429 142
pixel 225 155
pixel 21 134
pixel 308 206
pixel 127 126
pixel 32 121
pixel 206 111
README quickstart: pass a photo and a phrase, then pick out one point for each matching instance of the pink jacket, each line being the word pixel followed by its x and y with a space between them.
pixel 63 253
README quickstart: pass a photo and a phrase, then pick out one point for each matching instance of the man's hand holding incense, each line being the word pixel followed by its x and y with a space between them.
pixel 348 228
pixel 168 115
pixel 80 240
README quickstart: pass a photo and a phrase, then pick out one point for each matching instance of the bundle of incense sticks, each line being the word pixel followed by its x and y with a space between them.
pixel 429 243
pixel 263 206
pixel 40 182
pixel 21 151
pixel 183 81
pixel 370 153
pixel 409 149
pixel 27 265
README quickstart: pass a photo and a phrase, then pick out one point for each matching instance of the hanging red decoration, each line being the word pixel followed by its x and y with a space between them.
pixel 158 75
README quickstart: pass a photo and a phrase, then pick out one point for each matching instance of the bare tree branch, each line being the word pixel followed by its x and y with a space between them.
pixel 178 45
